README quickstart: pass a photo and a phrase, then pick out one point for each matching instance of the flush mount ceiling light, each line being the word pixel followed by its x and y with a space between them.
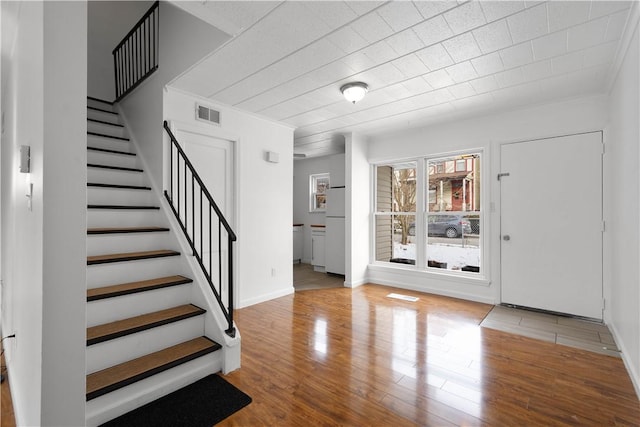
pixel 354 92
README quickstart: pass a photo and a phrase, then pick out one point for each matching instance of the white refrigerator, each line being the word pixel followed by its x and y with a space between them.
pixel 335 231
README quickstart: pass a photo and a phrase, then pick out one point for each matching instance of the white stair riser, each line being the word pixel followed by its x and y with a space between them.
pixel 118 402
pixel 103 116
pixel 99 244
pixel 111 159
pixel 106 129
pixel 109 143
pixel 99 104
pixel 118 196
pixel 115 176
pixel 94 141
pixel 124 218
pixel 125 306
pixel 132 271
pixel 113 352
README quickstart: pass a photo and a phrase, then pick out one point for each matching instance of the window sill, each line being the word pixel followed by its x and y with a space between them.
pixel 410 270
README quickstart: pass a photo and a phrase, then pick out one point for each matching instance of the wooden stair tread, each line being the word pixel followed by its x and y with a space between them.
pixel 115 377
pixel 105 122
pixel 103 110
pixel 119 168
pixel 120 328
pixel 122 230
pixel 104 135
pixel 106 150
pixel 133 207
pixel 129 256
pixel 134 287
pixel 120 186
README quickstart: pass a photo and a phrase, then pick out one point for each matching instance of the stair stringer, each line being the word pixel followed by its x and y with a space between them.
pixel 215 322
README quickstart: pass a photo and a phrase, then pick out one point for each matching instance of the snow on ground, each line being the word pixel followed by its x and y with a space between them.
pixel 455 256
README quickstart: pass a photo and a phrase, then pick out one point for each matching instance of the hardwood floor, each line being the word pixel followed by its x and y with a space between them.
pixel 355 357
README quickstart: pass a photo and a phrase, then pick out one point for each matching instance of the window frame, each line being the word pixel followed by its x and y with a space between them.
pixel 313 194
pixel 421 215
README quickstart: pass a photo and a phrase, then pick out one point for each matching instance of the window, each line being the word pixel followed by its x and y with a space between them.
pixel 318 185
pixel 395 216
pixel 443 232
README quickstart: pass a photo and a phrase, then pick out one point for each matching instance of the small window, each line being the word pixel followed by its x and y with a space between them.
pixel 318 185
pixel 461 165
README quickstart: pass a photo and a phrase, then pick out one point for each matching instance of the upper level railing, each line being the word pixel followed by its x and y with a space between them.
pixel 136 56
pixel 204 226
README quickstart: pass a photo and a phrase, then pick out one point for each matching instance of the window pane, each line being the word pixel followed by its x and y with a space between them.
pixel 396 188
pixel 396 239
pixel 318 185
pixel 453 213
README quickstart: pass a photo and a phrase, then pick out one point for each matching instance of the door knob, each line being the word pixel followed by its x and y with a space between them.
pixel 506 237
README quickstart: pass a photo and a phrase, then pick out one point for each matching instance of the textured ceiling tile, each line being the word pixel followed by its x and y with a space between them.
pixel 510 78
pixel 435 57
pixel 462 47
pixel 405 42
pixel 600 54
pixel 616 26
pixel 493 37
pixel 567 63
pixel 400 15
pixel 462 90
pixel 494 10
pixel 537 70
pixel 465 17
pixel 417 85
pixel 564 14
pixel 410 66
pixel 429 9
pixel 462 72
pixel 439 79
pixel 362 7
pixel 602 8
pixel 335 14
pixel 488 64
pixel 433 31
pixel 380 52
pixel 587 34
pixel 358 61
pixel 372 27
pixel 550 45
pixel 517 55
pixel 347 39
pixel 529 24
pixel 484 84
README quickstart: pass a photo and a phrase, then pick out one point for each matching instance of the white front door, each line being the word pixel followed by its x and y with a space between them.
pixel 551 224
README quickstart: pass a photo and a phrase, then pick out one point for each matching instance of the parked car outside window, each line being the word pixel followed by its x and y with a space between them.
pixel 450 226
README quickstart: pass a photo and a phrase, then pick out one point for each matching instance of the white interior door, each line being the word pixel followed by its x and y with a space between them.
pixel 551 224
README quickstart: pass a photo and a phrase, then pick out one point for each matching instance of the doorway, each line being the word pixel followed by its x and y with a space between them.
pixel 551 224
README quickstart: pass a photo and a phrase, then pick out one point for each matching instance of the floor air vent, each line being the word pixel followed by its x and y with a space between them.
pixel 207 114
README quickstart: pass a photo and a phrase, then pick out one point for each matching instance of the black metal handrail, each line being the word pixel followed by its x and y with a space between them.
pixel 184 206
pixel 136 56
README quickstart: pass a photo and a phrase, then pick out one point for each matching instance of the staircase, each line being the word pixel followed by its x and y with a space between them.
pixel 145 333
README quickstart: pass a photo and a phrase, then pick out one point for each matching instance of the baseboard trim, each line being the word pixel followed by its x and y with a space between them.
pixel 266 297
pixel 633 374
pixel 434 291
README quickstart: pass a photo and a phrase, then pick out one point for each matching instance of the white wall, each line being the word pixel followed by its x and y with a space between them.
pixel 358 215
pixel 43 249
pixel 302 168
pixel 486 133
pixel 109 22
pixel 622 208
pixel 264 197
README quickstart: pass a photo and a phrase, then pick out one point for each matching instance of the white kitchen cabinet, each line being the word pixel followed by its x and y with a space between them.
pixel 318 248
pixel 298 242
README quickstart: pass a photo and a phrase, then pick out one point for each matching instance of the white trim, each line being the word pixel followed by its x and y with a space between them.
pixel 435 291
pixel 265 297
pixel 633 374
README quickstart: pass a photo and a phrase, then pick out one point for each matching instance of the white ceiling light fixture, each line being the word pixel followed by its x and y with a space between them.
pixel 354 92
